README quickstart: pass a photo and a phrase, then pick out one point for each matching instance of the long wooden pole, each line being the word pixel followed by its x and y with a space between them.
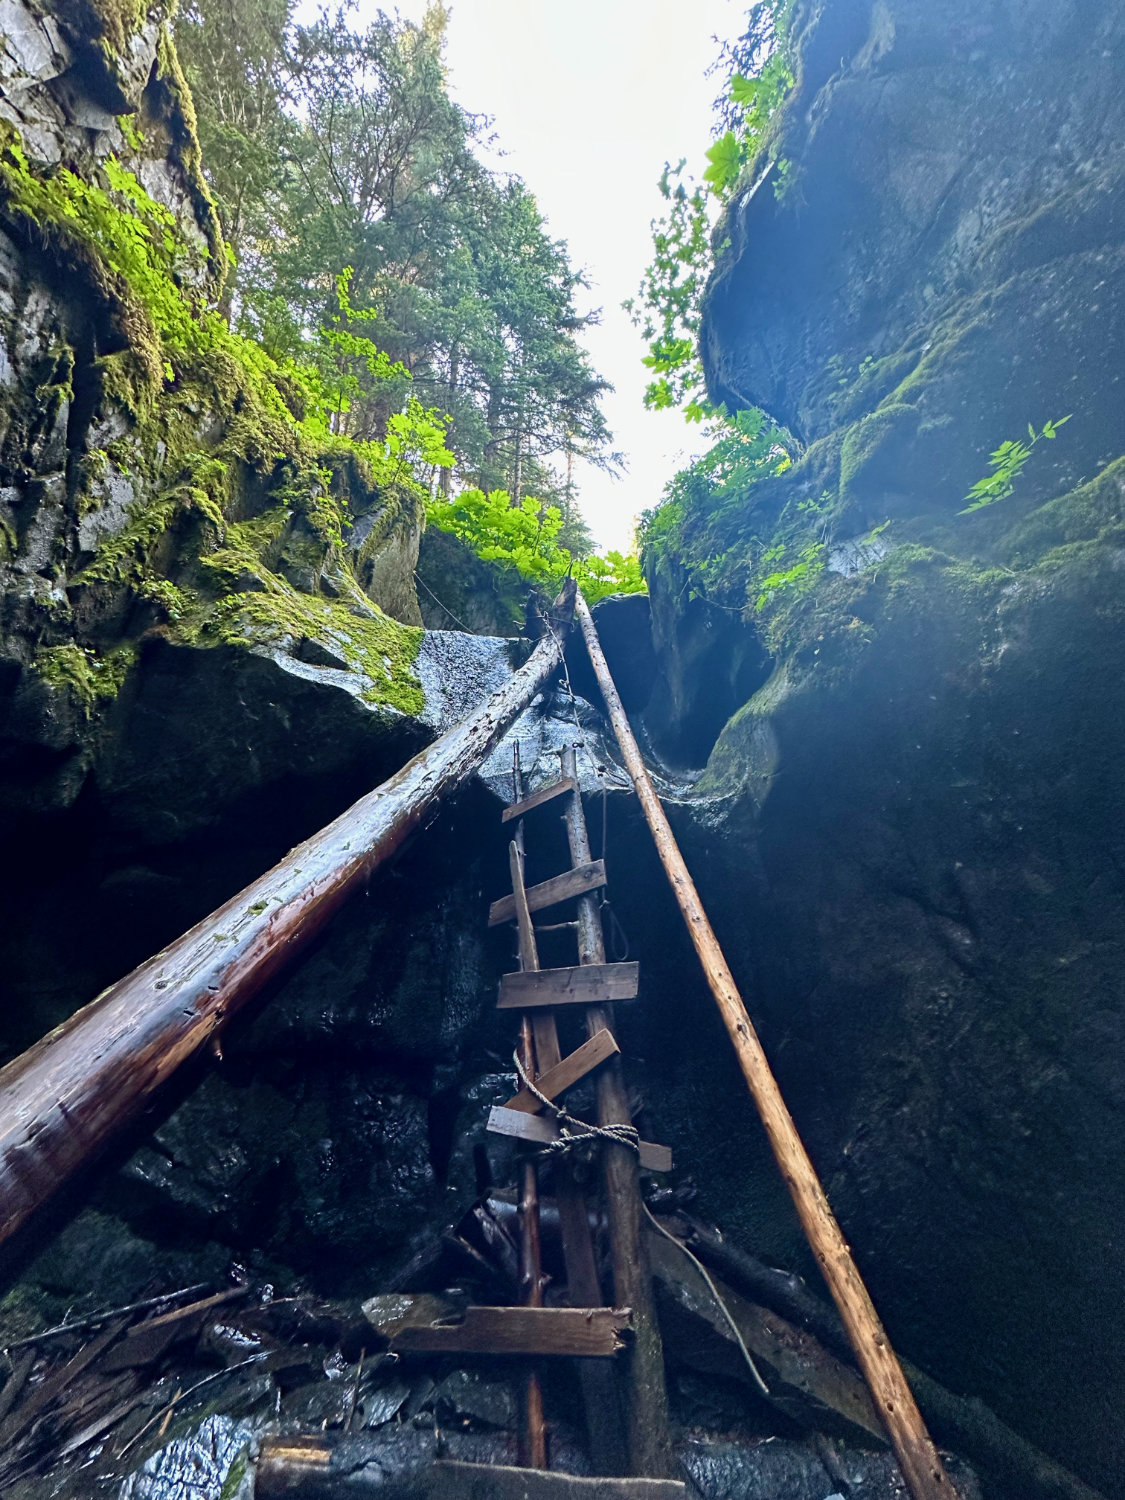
pixel 918 1458
pixel 66 1098
pixel 534 1444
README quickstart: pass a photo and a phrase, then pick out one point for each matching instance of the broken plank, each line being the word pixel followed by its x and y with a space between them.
pixel 566 1074
pixel 55 1383
pixel 583 1332
pixel 577 882
pixel 541 1131
pixel 147 1341
pixel 537 799
pixel 587 984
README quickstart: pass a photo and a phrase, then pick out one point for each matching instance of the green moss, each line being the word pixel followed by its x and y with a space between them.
pixel 863 442
pixel 189 548
pixel 378 648
pixel 236 1475
pixel 170 99
pixel 80 671
pixel 1093 513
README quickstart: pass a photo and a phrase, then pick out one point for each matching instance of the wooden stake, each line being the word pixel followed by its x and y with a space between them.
pixel 921 1467
pixel 646 1400
pixel 65 1099
pixel 534 1435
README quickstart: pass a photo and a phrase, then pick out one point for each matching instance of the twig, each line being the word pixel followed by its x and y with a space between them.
pixel 80 1325
pixel 183 1395
pixel 355 1390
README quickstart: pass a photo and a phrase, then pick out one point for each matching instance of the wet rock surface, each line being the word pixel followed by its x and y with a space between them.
pixel 904 830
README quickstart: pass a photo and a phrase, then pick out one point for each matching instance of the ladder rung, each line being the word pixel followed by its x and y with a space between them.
pixel 583 1332
pixel 544 794
pixel 585 984
pixel 565 1075
pixel 540 1130
pixel 576 882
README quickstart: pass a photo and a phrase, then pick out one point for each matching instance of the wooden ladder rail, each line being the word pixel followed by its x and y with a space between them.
pixel 645 1397
pixel 918 1459
pixel 533 1436
pixel 539 1052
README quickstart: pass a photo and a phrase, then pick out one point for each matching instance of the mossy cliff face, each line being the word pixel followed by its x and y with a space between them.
pixel 907 826
pixel 161 481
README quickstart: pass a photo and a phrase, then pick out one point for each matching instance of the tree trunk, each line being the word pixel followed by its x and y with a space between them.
pixel 67 1097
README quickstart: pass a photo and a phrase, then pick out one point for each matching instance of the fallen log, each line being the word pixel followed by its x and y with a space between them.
pixel 67 1097
pixel 962 1423
pixel 918 1459
pixel 323 1467
pixel 805 1380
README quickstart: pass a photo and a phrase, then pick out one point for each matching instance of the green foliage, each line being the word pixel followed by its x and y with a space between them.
pixel 525 542
pixel 667 306
pixel 702 501
pixel 332 147
pixel 1006 464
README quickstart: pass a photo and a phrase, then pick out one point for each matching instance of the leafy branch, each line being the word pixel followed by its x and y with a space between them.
pixel 1006 464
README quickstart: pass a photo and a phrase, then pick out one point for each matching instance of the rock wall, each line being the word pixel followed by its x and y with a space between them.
pixel 906 827
pixel 159 482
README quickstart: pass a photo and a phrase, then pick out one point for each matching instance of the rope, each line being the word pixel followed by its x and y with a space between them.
pixel 719 1303
pixel 440 605
pixel 572 1138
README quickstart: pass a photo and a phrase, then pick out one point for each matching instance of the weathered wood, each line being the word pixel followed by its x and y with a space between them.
pixel 540 1130
pixel 922 1469
pixel 324 1466
pixel 562 887
pixel 966 1425
pixel 645 1399
pixel 580 1332
pixel 533 1434
pixel 147 1341
pixel 62 1101
pixel 805 1380
pixel 596 984
pixel 56 1382
pixel 564 1075
pixel 537 799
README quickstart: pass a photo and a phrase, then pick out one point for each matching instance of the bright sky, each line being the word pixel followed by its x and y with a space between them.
pixel 589 99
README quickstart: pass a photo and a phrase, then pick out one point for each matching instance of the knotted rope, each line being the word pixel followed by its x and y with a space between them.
pixel 576 1133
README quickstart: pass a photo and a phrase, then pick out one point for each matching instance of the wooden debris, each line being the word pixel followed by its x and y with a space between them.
pixel 539 1129
pixel 581 1332
pixel 804 1379
pixel 147 1341
pixel 44 1394
pixel 94 1320
pixel 566 1074
pixel 15 1382
pixel 564 887
pixel 537 799
pixel 590 984
pixel 322 1467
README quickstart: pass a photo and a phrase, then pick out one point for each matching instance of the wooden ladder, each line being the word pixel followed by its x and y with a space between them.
pixel 622 1379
